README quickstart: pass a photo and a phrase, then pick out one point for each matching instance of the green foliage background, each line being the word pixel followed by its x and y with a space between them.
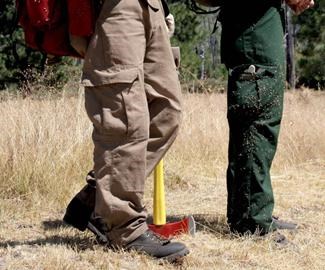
pixel 199 47
pixel 188 33
pixel 310 46
pixel 20 65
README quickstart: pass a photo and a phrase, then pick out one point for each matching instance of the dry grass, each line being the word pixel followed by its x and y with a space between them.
pixel 45 152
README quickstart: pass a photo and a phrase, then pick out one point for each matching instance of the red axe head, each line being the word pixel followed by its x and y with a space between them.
pixel 168 230
pixel 187 225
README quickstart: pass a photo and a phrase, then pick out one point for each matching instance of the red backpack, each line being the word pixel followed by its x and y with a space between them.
pixel 47 24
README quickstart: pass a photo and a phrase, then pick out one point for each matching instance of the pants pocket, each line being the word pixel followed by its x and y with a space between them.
pixel 106 106
pixel 254 90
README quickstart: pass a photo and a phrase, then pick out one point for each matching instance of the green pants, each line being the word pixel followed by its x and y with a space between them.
pixel 252 49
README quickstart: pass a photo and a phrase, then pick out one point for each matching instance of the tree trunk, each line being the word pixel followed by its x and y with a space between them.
pixel 290 50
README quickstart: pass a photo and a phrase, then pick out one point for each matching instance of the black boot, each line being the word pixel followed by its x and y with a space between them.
pixel 80 208
pixel 152 245
pixel 79 213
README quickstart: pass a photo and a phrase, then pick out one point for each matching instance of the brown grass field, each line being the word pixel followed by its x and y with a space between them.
pixel 46 151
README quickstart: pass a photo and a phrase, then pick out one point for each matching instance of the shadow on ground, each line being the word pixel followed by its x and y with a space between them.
pixel 55 224
pixel 79 243
pixel 75 242
pixel 214 224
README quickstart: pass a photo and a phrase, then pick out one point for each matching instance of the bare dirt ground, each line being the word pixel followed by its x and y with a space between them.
pixel 45 153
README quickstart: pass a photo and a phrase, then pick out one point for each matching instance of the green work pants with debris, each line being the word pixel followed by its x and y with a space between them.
pixel 253 52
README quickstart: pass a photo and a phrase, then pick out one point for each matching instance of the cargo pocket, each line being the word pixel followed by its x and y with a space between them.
pixel 106 105
pixel 253 90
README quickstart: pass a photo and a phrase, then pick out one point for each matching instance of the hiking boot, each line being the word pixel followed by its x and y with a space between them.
pixel 79 213
pixel 283 225
pixel 80 208
pixel 152 245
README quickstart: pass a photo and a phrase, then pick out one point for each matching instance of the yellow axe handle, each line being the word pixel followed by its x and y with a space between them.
pixel 159 209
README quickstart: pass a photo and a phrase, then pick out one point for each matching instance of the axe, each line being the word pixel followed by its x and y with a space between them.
pixel 159 226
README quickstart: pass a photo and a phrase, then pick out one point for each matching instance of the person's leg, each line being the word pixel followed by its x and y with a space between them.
pixel 120 115
pixel 119 157
pixel 119 111
pixel 248 178
pixel 255 99
pixel 163 91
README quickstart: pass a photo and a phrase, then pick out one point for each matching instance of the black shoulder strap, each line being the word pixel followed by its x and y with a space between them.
pixel 165 7
pixel 192 5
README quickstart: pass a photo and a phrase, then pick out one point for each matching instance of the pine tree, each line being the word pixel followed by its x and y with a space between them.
pixel 311 46
pixel 17 61
pixel 22 66
pixel 200 52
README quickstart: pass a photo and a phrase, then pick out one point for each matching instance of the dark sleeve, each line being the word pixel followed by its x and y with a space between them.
pixel 165 6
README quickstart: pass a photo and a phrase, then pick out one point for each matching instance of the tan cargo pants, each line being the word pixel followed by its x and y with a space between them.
pixel 132 96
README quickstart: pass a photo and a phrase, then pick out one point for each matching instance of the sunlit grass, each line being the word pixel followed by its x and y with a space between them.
pixel 46 151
